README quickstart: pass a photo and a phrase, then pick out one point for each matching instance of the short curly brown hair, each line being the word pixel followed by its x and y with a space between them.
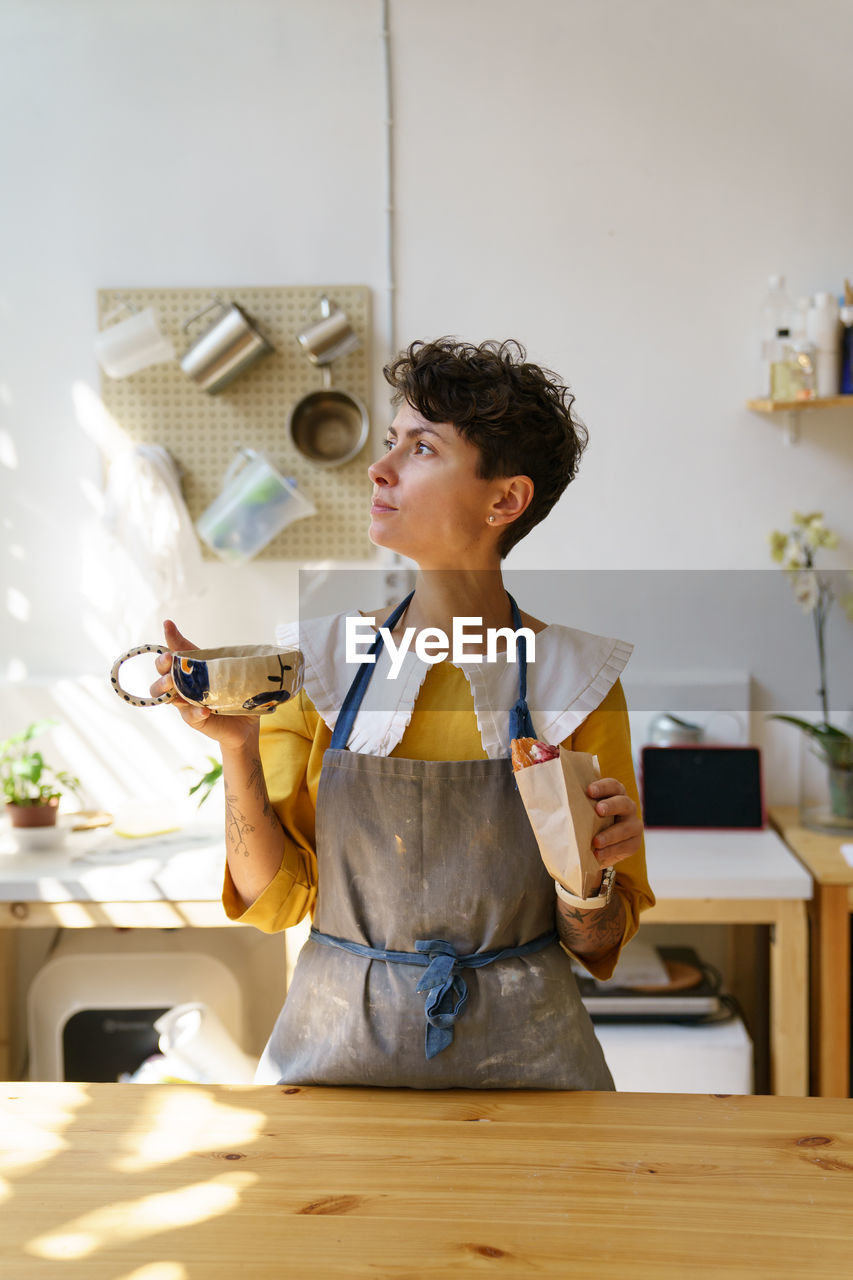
pixel 518 415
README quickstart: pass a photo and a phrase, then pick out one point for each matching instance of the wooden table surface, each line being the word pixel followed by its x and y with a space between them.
pixel 194 1182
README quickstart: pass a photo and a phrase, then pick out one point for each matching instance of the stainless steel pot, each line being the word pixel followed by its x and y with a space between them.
pixel 329 427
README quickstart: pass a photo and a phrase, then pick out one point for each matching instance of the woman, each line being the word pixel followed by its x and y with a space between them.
pixel 385 804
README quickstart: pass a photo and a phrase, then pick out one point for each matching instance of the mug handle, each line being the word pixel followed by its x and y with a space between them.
pixel 123 305
pixel 216 302
pixel 132 698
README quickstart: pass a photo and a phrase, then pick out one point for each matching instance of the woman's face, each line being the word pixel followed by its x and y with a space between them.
pixel 428 503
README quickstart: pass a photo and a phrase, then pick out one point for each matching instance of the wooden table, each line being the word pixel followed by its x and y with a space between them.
pixel 745 877
pixel 159 1182
pixel 831 907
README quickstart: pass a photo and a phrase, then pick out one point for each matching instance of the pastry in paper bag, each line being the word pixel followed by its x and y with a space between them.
pixel 552 783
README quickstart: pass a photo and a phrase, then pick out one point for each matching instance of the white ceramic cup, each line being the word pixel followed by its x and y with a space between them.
pixel 132 344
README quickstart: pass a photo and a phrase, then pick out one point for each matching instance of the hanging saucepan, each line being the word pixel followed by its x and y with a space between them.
pixel 329 427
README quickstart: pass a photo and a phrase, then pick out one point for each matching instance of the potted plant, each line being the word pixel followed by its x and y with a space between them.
pixel 31 788
pixel 796 552
pixel 208 780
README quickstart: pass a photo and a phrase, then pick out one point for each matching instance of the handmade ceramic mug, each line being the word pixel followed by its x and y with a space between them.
pixel 237 681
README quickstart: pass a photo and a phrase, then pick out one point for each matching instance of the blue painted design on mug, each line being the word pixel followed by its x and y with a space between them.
pixel 191 679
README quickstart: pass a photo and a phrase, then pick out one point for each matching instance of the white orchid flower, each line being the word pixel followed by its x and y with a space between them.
pixel 806 590
pixel 795 556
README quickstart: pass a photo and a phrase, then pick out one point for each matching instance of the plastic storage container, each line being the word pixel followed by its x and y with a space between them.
pixel 255 504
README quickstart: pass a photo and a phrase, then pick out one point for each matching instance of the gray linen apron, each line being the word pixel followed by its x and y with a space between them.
pixel 433 850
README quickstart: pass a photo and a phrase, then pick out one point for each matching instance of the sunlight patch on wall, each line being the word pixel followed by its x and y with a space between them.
pixel 93 495
pixel 97 422
pixel 8 452
pixel 18 605
pixel 122 753
pixel 16 671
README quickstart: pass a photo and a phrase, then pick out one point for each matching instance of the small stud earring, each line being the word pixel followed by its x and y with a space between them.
pixel 491 519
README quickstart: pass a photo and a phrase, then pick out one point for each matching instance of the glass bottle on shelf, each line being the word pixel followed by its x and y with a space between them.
pixel 776 317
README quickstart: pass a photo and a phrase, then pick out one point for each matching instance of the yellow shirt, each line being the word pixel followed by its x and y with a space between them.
pixel 443 727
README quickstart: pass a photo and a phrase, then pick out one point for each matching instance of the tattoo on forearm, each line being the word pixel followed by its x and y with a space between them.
pixel 237 826
pixel 258 785
pixel 591 933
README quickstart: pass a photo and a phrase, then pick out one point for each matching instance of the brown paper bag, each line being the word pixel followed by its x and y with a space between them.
pixel 563 817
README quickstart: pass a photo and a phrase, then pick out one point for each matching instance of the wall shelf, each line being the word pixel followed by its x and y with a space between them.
pixel 793 408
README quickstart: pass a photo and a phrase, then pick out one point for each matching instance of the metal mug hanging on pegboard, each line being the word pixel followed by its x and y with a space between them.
pixel 226 348
pixel 329 427
pixel 331 336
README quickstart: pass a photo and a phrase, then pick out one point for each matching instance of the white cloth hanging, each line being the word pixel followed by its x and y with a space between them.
pixel 148 554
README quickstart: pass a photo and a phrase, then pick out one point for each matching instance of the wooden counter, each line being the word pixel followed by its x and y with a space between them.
pixel 190 1182
pixel 830 910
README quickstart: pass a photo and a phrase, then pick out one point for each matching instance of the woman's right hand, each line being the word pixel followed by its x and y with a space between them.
pixel 231 732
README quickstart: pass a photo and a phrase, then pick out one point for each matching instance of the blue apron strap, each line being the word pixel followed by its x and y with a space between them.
pixel 446 989
pixel 358 688
pixel 520 722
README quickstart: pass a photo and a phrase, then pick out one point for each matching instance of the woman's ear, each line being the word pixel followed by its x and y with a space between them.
pixel 516 496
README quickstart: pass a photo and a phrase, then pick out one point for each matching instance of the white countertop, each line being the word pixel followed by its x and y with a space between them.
pixel 99 866
pixel 187 866
pixel 724 864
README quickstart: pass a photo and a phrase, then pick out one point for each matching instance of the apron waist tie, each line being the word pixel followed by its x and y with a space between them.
pixel 447 991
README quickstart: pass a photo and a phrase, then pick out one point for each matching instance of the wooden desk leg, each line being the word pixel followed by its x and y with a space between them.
pixel 833 991
pixel 7 978
pixel 789 1050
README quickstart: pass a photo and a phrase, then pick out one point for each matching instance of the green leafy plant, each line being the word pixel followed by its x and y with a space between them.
pixel 208 780
pixel 25 777
pixel 796 551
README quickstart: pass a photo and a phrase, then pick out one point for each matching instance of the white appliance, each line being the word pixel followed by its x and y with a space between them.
pixel 672 1058
pixel 126 991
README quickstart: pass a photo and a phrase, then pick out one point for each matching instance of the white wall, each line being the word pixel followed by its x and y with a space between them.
pixel 610 183
pixel 172 144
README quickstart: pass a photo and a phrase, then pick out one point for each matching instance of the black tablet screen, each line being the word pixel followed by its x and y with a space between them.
pixel 701 787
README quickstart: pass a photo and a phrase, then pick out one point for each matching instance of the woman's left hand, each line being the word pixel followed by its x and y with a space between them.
pixel 625 835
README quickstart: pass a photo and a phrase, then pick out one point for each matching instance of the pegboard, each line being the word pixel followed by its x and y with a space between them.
pixel 202 432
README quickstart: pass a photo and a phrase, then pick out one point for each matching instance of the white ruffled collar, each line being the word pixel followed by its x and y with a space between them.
pixel 572 673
